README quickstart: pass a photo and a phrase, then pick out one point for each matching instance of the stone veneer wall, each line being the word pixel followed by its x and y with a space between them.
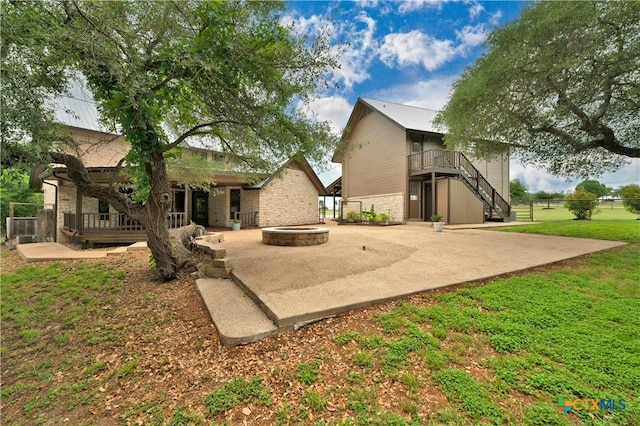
pixel 383 203
pixel 289 199
pixel 219 207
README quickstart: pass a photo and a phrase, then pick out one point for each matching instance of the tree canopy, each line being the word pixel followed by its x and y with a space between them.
pixel 162 73
pixel 517 190
pixel 594 187
pixel 631 195
pixel 559 87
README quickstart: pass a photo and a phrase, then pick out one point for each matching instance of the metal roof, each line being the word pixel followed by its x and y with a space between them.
pixel 78 109
pixel 406 116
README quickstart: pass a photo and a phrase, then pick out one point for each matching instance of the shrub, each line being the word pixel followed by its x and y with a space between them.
pixel 353 217
pixel 582 204
pixel 629 192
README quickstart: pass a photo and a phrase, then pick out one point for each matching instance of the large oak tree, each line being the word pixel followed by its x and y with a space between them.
pixel 162 73
pixel 559 87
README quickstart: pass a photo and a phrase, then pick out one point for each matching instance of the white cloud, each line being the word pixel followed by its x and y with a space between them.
pixel 495 17
pixel 355 58
pixel 412 5
pixel 368 3
pixel 539 180
pixel 470 36
pixel 416 47
pixel 334 109
pixel 432 93
pixel 351 41
pixel 313 26
pixel 475 9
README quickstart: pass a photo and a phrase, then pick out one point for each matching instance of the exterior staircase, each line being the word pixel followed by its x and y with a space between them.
pixel 455 163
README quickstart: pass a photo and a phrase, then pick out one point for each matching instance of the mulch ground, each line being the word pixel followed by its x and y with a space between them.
pixel 180 359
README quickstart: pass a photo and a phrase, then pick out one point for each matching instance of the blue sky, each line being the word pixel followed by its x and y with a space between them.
pixel 411 52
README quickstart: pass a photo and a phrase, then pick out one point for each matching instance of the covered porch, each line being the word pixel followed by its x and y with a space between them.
pixel 90 229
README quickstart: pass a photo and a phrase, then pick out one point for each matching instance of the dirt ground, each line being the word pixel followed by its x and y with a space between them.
pixel 180 359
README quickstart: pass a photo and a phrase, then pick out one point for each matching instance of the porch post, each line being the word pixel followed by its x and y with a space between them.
pixel 187 205
pixel 434 209
pixel 79 219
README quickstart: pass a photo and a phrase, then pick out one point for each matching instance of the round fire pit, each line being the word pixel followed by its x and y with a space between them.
pixel 294 236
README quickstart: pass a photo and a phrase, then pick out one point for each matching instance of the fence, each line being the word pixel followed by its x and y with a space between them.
pixel 554 209
pixel 39 228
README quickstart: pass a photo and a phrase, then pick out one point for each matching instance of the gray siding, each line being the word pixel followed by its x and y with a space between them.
pixel 376 162
pixel 464 206
pixel 496 171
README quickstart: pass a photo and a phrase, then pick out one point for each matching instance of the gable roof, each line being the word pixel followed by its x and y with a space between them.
pixel 406 117
pixel 305 167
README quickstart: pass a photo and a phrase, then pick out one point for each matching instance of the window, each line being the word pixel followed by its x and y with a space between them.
pixel 103 209
pixel 234 202
pixel 416 143
pixel 414 190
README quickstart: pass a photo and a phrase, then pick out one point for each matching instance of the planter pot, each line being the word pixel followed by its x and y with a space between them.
pixel 438 226
pixel 235 226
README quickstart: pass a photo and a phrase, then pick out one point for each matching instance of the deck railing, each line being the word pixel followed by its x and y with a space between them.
pixel 247 219
pixel 440 160
pixel 112 222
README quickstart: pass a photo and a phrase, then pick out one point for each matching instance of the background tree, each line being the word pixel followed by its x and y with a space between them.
pixel 15 188
pixel 548 196
pixel 558 87
pixel 582 204
pixel 594 187
pixel 631 195
pixel 163 73
pixel 517 190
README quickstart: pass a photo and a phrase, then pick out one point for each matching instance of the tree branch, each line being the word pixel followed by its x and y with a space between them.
pixel 79 175
pixel 195 131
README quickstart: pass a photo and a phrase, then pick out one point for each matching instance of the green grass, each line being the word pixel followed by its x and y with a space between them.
pixel 308 372
pixel 616 230
pixel 572 332
pixel 235 392
pixel 557 211
pixel 498 353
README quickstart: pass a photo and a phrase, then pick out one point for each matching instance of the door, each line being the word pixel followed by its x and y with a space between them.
pixel 415 199
pixel 234 203
pixel 428 201
pixel 200 208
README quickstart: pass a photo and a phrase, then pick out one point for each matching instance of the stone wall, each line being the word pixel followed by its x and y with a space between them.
pixel 219 207
pixel 289 199
pixel 391 204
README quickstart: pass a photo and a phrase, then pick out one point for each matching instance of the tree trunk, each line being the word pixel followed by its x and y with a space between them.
pixel 157 209
pixel 170 254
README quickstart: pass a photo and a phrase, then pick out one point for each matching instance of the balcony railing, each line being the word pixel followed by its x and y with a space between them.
pixel 247 219
pixel 455 162
pixel 112 222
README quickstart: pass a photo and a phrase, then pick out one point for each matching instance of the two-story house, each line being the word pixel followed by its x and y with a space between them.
pixel 289 197
pixel 394 158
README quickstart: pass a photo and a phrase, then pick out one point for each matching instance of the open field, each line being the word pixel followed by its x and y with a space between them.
pixel 555 210
pixel 101 343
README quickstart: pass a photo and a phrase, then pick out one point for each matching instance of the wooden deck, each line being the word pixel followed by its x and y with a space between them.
pixel 109 228
pixel 92 238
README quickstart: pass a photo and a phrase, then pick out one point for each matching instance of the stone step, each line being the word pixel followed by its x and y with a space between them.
pixel 238 319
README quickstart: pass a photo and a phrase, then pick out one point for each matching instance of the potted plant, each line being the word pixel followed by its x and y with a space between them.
pixel 236 225
pixel 438 225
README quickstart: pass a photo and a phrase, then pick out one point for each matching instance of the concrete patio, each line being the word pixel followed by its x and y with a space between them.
pixel 276 289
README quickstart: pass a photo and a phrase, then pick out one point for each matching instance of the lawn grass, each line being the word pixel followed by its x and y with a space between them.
pixel 556 211
pixel 571 333
pixel 600 229
pixel 501 352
